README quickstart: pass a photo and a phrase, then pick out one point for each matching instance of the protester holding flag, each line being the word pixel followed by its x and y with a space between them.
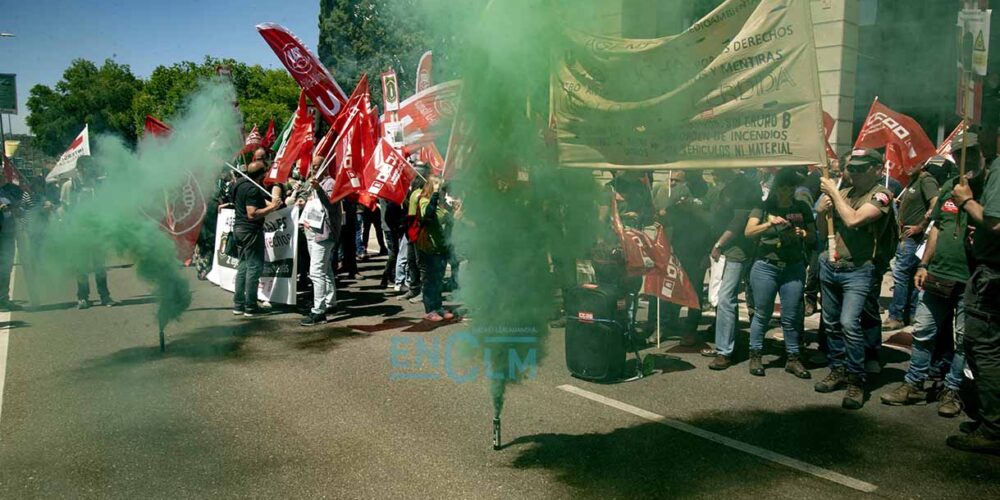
pixel 979 199
pixel 861 214
pixel 783 227
pixel 915 206
pixel 248 228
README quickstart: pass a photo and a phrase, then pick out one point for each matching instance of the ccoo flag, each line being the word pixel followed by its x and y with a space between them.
pixel 67 162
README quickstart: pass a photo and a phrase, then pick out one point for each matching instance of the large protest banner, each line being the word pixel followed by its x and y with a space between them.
pixel 739 88
pixel 277 282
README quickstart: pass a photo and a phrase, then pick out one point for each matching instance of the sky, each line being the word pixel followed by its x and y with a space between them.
pixel 49 34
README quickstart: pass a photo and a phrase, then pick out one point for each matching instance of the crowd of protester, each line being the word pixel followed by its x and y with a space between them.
pixel 762 235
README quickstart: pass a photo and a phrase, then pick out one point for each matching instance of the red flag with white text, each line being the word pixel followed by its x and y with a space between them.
pixel 667 280
pixel 269 136
pixel 306 69
pixel 428 114
pixel 884 126
pixel 347 171
pixel 388 174
pixel 946 147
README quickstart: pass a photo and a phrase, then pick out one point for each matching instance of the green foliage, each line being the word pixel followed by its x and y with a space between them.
pixel 262 93
pixel 370 36
pixel 114 101
pixel 86 94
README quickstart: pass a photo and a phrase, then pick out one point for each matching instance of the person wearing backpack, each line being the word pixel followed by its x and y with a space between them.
pixel 432 248
pixel 915 205
pixel 860 212
pixel 783 227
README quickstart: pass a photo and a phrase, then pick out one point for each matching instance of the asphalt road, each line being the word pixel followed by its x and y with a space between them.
pixel 265 408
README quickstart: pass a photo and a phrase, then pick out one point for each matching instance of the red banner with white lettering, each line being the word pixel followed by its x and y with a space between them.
pixel 388 174
pixel 348 174
pixel 184 206
pixel 885 126
pixel 667 280
pixel 306 69
pixel 427 114
pixel 425 72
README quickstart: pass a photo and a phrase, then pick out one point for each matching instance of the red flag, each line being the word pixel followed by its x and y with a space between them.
pixel 430 155
pixel 11 175
pixel 828 123
pixel 667 280
pixel 156 127
pixel 358 103
pixel 184 207
pixel 424 69
pixel 946 147
pixel 429 113
pixel 348 177
pixel 885 126
pixel 297 149
pixel 252 142
pixel 461 146
pixel 269 136
pixel 894 164
pixel 305 67
pixel 388 174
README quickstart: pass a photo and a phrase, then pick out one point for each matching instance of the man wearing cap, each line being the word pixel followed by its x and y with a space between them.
pixel 860 213
pixel 915 206
pixel 979 199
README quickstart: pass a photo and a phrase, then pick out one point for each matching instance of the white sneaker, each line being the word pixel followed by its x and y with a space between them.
pixel 872 366
pixel 397 288
pixel 265 305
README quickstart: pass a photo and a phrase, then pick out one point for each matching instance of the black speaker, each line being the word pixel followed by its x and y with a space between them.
pixel 595 333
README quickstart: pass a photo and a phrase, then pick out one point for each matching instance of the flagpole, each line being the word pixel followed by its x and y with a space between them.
pixel 245 176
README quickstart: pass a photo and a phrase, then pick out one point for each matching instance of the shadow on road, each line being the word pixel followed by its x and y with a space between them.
pixel 653 460
pixel 227 343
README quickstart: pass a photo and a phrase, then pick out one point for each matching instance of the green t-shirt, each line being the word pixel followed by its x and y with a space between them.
pixel 780 243
pixel 739 248
pixel 949 261
pixel 857 245
pixel 986 245
pixel 916 199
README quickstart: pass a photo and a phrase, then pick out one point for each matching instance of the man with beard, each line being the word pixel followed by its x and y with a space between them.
pixel 248 228
pixel 861 212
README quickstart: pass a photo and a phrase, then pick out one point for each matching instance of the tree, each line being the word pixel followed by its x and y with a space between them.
pixel 370 36
pixel 262 94
pixel 86 95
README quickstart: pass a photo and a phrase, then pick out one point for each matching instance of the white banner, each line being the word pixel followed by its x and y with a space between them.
pixel 67 162
pixel 281 245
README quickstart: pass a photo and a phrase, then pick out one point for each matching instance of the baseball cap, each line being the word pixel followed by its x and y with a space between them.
pixel 865 157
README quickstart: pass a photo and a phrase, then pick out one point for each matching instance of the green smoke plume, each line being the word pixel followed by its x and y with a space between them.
pixel 520 211
pixel 122 218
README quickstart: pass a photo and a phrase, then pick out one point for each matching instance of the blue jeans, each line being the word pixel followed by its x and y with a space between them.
pixel 768 281
pixel 845 290
pixel 904 294
pixel 934 313
pixel 433 280
pixel 727 313
pixel 401 261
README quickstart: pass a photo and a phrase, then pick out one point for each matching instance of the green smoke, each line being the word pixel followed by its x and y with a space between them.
pixel 520 212
pixel 122 218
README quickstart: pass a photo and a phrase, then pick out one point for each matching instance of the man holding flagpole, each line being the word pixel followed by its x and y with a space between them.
pixel 248 227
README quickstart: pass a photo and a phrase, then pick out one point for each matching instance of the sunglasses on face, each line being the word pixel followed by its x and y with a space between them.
pixel 859 169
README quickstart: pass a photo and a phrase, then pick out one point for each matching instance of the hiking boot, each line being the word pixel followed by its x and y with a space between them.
pixel 892 324
pixel 976 441
pixel 313 320
pixel 834 381
pixel 905 394
pixel 83 304
pixel 949 404
pixel 794 366
pixel 756 364
pixel 720 363
pixel 855 397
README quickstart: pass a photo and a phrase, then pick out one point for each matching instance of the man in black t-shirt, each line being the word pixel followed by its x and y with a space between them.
pixel 248 228
pixel 915 205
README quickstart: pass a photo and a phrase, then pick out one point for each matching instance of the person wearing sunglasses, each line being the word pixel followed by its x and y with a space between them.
pixel 861 211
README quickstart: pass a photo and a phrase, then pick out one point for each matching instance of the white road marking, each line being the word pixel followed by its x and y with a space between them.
pixel 777 458
pixel 4 334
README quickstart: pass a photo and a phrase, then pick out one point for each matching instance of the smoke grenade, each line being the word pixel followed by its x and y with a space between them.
pixel 496 432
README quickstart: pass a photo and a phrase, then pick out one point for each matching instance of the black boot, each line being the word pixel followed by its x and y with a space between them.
pixel 756 364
